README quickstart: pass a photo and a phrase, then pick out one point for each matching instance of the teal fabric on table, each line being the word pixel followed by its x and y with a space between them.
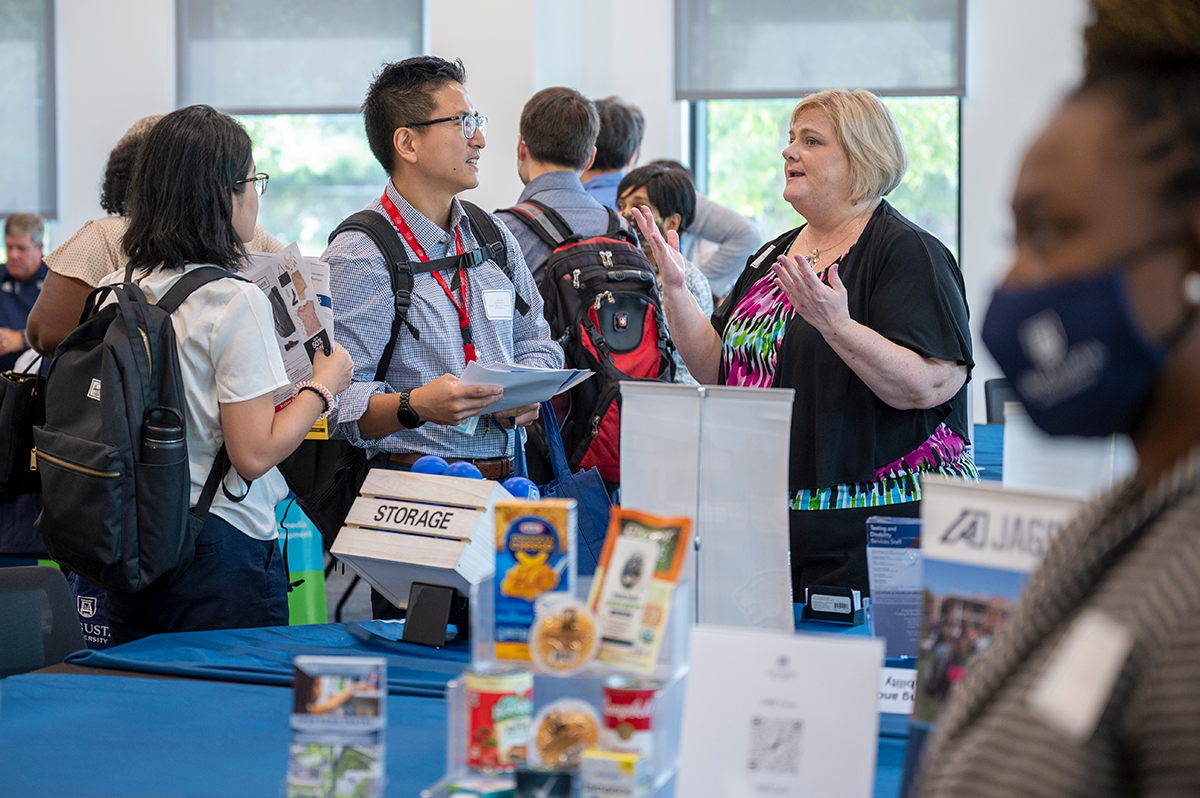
pixel 69 734
pixel 264 656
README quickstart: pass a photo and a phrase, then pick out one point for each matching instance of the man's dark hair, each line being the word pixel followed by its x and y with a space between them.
pixel 180 201
pixel 621 129
pixel 559 126
pixel 402 95
pixel 669 190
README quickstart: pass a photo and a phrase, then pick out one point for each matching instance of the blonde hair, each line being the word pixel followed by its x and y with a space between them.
pixel 868 134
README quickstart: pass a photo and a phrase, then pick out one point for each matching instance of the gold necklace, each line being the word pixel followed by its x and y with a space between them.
pixel 816 253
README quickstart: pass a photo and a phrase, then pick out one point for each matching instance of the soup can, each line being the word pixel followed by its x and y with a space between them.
pixel 629 715
pixel 499 711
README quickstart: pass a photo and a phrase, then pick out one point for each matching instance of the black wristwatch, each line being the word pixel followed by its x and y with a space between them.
pixel 407 417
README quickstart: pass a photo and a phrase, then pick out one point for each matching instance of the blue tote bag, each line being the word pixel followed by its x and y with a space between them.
pixel 585 487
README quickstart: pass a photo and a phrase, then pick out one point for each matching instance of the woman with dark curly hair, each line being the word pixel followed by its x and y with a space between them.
pixel 1093 686
pixel 94 251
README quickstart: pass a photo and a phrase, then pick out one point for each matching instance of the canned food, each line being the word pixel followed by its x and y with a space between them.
pixel 628 715
pixel 499 710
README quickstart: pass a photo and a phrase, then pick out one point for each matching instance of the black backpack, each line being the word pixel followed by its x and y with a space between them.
pixel 109 515
pixel 603 307
pixel 327 475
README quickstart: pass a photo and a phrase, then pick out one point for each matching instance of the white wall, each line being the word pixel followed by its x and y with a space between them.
pixel 115 64
pixel 1022 57
pixel 516 48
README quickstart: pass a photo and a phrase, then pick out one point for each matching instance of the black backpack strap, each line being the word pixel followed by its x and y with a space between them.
pixel 620 229
pixel 189 282
pixel 400 271
pixel 492 243
pixel 183 288
pixel 545 222
pixel 216 478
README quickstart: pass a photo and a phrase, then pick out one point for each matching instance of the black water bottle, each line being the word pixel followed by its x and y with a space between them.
pixel 163 439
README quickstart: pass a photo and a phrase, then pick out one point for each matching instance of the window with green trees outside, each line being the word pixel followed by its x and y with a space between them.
pixel 321 171
pixel 745 166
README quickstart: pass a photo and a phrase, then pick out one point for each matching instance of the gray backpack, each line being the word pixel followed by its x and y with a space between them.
pixel 115 507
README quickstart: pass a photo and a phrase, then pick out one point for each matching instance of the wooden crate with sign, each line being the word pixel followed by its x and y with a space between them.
pixel 407 528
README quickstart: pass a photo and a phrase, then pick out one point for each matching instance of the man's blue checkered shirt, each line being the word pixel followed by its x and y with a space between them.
pixel 363 313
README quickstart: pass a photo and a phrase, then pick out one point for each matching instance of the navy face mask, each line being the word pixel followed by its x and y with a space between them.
pixel 1075 353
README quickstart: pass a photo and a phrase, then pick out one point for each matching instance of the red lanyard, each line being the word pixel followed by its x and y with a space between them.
pixel 464 321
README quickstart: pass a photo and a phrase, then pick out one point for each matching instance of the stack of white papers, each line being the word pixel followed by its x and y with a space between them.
pixel 523 385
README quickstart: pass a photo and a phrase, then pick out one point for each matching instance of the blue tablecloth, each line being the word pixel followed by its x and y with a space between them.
pixel 989 451
pixel 264 656
pixel 75 735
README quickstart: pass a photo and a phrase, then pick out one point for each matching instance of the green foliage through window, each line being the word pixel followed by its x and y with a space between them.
pixel 321 172
pixel 745 165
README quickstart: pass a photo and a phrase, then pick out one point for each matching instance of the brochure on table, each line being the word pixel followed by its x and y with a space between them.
pixel 979 544
pixel 717 455
pixel 754 725
pixel 298 289
pixel 338 722
pixel 894 572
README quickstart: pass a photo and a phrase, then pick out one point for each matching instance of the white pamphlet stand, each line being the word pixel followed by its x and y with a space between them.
pixel 1071 466
pixel 719 456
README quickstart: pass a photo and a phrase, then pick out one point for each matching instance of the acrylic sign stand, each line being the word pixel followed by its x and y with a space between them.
pixel 717 455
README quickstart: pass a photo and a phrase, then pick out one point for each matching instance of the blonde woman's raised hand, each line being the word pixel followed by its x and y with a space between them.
pixel 667 256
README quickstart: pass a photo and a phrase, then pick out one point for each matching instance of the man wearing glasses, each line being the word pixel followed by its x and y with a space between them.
pixel 425 132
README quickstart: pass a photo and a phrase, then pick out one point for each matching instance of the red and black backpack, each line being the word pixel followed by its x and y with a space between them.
pixel 603 306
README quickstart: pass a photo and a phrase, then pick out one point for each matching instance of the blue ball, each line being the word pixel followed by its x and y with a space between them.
pixel 463 469
pixel 430 464
pixel 522 488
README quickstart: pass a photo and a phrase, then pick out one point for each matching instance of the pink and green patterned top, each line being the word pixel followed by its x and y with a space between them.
pixel 750 353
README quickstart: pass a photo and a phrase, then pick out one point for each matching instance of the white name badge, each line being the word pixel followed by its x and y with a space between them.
pixel 1073 690
pixel 498 305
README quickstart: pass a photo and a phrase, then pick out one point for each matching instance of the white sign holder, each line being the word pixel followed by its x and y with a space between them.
pixel 719 456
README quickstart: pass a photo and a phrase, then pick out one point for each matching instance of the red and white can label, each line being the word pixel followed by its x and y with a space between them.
pixel 629 720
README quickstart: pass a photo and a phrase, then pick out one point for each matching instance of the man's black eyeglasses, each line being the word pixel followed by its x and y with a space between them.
pixel 470 123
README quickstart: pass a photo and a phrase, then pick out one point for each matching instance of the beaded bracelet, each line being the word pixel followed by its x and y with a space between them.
pixel 321 391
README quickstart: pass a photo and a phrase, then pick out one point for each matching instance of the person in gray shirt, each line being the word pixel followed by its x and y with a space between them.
pixel 557 143
pixel 670 195
pixel 719 241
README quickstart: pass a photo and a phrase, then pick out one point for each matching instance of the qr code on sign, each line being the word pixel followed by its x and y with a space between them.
pixel 774 745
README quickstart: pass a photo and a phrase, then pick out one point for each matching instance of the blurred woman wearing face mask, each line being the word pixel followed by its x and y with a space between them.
pixel 671 196
pixel 1093 686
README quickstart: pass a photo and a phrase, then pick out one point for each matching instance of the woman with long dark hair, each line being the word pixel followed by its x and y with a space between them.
pixel 192 202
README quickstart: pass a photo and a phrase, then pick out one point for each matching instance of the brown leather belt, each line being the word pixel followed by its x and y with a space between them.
pixel 491 467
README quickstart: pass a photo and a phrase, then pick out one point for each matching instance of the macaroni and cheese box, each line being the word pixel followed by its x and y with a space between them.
pixel 535 554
